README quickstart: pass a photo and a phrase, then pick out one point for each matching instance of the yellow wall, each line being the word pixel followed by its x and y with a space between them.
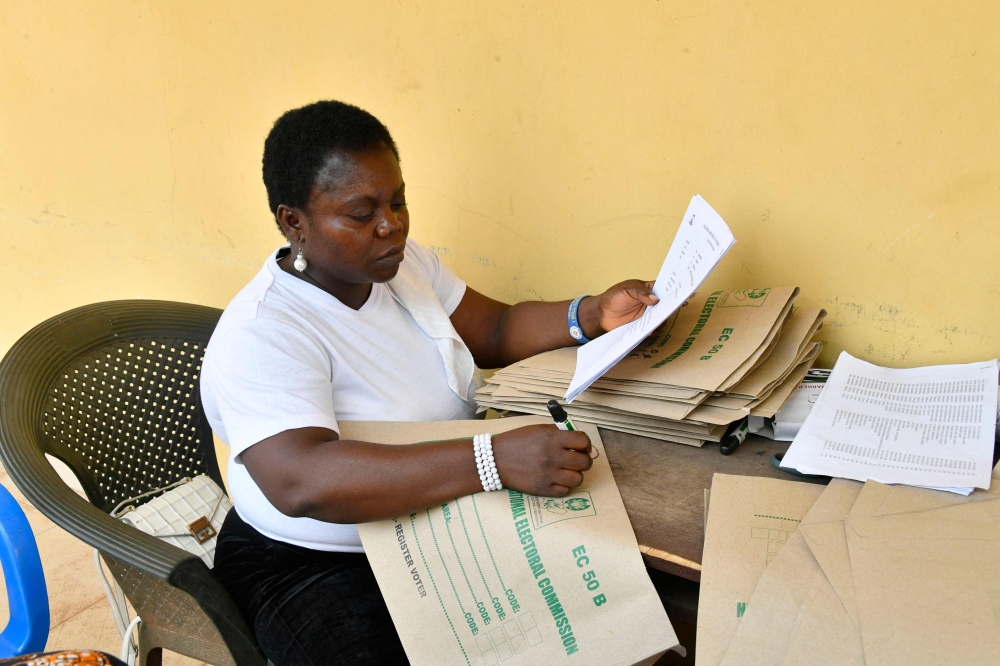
pixel 549 147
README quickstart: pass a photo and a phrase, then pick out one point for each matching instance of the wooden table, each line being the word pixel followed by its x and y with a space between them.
pixel 663 487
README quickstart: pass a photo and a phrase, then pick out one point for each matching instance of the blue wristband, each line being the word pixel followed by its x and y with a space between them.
pixel 575 330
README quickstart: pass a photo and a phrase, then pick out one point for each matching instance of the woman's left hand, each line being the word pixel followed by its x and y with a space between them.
pixel 623 303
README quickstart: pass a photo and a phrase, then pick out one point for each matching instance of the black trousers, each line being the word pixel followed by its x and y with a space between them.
pixel 307 607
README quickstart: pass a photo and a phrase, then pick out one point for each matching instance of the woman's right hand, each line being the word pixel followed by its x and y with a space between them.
pixel 541 459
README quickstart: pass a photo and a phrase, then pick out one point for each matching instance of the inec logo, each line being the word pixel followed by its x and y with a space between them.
pixel 548 510
pixel 743 298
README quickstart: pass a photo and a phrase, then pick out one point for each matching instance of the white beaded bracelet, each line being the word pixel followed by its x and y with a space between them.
pixel 487 466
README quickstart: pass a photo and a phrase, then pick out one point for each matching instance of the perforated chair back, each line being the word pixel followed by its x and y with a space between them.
pixel 111 389
pixel 126 416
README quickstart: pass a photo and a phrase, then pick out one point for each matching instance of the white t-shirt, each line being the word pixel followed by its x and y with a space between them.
pixel 287 355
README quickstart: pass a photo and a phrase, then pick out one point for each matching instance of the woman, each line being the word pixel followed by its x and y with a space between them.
pixel 354 321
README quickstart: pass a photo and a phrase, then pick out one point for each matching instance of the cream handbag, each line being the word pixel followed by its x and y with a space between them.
pixel 189 515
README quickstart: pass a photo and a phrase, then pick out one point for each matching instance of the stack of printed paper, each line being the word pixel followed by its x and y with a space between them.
pixel 931 426
pixel 869 574
pixel 720 357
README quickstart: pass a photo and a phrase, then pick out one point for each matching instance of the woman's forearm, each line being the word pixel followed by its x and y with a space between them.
pixel 533 327
pixel 378 481
pixel 308 472
pixel 499 334
pixel 343 481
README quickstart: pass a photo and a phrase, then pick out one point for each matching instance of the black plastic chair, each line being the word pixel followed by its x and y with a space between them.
pixel 111 389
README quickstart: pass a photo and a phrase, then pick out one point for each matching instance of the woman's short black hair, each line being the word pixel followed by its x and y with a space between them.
pixel 301 141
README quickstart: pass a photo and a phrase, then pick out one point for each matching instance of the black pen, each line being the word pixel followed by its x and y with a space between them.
pixel 560 416
pixel 735 436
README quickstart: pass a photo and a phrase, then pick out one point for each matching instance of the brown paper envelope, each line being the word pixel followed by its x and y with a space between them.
pixel 650 390
pixel 563 379
pixel 817 325
pixel 926 598
pixel 506 390
pixel 660 408
pixel 628 425
pixel 717 415
pixel 749 520
pixel 703 430
pixel 809 354
pixel 939 515
pixel 828 544
pixel 558 390
pixel 562 361
pixel 825 633
pixel 872 495
pixel 533 366
pixel 699 351
pixel 794 610
pixel 521 399
pixel 933 553
pixel 661 436
pixel 726 401
pixel 437 566
pixel 559 387
pixel 548 388
pixel 624 425
pixel 625 403
pixel 801 325
pixel 614 422
pixel 794 616
pixel 827 541
pixel 770 405
pixel 588 411
pixel 907 499
pixel 835 502
pixel 763 352
pixel 560 364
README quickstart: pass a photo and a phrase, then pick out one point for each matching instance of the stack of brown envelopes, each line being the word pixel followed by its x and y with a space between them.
pixel 720 357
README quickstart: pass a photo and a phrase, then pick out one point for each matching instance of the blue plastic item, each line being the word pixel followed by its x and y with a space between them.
pixel 27 598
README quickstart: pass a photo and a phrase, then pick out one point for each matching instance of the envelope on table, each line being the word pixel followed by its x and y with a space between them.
pixel 794 616
pixel 827 542
pixel 749 521
pixel 927 578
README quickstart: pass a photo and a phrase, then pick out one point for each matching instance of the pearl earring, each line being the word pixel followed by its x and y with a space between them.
pixel 300 262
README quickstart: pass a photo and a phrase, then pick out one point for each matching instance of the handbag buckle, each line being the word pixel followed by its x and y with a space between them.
pixel 202 529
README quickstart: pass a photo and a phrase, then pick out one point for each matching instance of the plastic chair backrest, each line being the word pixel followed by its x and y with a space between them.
pixel 28 627
pixel 126 416
pixel 111 389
